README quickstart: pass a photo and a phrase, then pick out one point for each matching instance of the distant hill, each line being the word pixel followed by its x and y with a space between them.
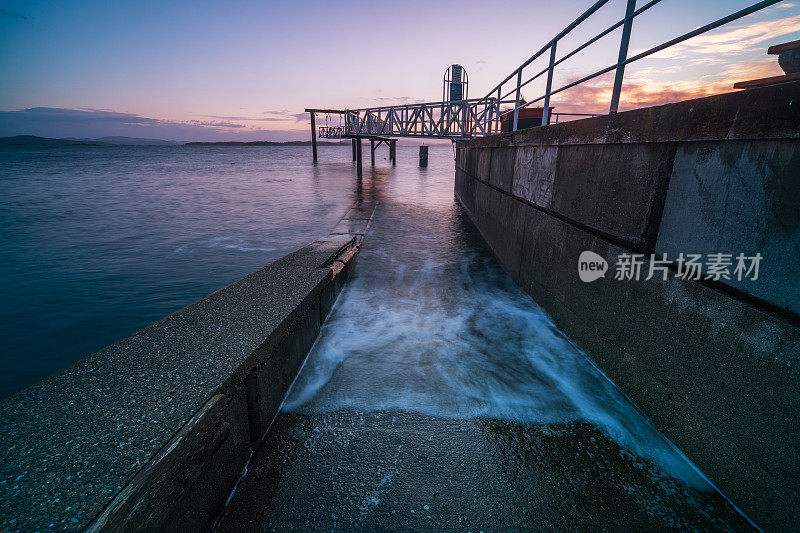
pixel 261 143
pixel 32 140
pixel 133 141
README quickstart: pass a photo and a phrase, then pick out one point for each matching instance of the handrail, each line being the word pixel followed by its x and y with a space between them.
pixel 482 116
pixel 448 102
pixel 461 119
pixel 591 41
pixel 586 14
pixel 631 12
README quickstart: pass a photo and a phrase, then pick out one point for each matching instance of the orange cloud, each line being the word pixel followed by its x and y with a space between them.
pixel 644 89
pixel 733 41
pixel 718 50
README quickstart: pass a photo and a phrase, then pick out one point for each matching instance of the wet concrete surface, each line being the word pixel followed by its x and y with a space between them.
pixel 439 397
pixel 400 471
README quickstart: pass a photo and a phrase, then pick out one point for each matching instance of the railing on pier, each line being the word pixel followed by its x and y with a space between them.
pixel 631 12
pixel 482 116
pixel 461 119
pixel 331 132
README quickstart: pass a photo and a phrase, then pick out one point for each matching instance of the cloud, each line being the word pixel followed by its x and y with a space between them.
pixel 644 88
pixel 93 123
pixel 733 41
pixel 282 115
pixel 248 119
pixel 216 124
pixel 86 116
pixel 692 60
pixel 285 114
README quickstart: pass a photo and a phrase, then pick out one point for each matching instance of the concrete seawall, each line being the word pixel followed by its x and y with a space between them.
pixel 713 363
pixel 151 433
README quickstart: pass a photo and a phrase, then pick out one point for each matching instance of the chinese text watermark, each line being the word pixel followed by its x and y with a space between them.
pixel 715 266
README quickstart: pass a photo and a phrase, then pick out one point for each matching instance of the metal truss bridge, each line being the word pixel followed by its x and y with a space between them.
pixel 464 119
pixel 461 119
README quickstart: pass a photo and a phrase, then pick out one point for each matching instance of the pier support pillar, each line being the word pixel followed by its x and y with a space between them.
pixel 354 148
pixel 423 156
pixel 359 167
pixel 393 152
pixel 372 151
pixel 313 137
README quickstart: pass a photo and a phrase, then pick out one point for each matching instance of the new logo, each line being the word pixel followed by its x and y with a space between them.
pixel 591 266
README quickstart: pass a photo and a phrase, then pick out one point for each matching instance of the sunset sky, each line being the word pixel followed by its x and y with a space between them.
pixel 246 70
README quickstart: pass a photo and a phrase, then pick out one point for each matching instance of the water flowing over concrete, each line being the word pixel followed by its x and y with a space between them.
pixel 433 326
pixel 440 396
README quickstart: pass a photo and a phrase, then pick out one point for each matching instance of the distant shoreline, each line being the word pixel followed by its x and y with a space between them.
pixel 33 140
pixel 262 143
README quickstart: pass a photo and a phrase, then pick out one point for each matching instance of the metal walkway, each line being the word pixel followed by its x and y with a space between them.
pixel 459 119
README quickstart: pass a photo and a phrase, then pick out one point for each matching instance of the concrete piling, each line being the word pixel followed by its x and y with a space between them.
pixel 359 159
pixel 313 137
pixel 423 156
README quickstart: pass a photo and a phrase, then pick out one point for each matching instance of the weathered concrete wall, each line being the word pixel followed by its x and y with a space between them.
pixel 713 363
pixel 151 433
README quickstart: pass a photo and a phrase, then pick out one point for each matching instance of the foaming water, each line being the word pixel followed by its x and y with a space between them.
pixel 430 324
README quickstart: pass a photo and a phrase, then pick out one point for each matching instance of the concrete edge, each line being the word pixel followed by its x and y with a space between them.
pixel 209 451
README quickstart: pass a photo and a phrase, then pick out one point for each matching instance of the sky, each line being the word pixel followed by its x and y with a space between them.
pixel 185 71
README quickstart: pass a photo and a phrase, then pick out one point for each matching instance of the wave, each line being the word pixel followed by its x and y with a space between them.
pixel 229 243
pixel 459 341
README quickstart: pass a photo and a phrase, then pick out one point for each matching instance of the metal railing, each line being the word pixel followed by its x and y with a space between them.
pixel 461 119
pixel 631 12
pixel 331 132
pixel 482 116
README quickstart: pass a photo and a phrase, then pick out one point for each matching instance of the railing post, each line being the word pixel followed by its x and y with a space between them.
pixel 488 119
pixel 359 159
pixel 516 102
pixel 548 88
pixel 623 55
pixel 499 96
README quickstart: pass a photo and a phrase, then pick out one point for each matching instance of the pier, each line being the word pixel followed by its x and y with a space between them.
pixel 217 418
pixel 326 132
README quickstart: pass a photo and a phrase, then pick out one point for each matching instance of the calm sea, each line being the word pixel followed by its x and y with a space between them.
pixel 98 242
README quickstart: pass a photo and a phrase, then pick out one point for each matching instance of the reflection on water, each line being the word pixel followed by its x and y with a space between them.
pixel 96 242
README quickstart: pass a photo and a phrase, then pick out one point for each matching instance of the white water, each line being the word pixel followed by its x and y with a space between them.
pixel 430 324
